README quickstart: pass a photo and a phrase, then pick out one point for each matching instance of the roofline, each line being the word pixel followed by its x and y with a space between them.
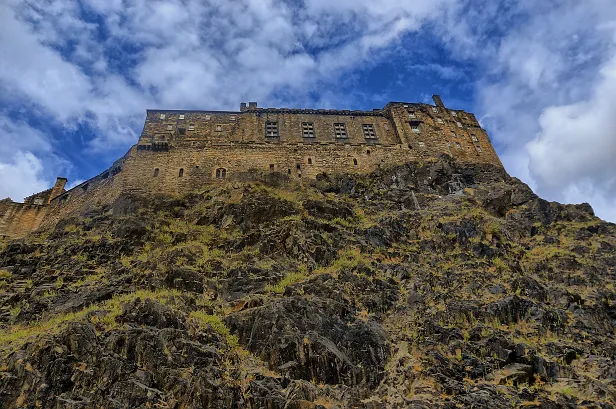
pixel 192 110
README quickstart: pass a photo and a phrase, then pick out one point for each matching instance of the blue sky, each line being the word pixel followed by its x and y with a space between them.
pixel 76 76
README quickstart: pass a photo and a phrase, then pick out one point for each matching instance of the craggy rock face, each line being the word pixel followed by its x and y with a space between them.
pixel 428 285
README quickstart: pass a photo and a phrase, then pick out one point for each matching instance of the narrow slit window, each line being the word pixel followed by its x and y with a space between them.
pixel 156 172
pixel 368 152
pixel 307 129
pixel 310 161
pixel 271 129
pixel 369 131
pixel 298 166
pixel 271 167
pixel 340 130
pixel 181 173
pixel 354 161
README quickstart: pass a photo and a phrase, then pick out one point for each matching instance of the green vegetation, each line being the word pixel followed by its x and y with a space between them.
pixel 206 320
pixel 289 279
pixel 17 335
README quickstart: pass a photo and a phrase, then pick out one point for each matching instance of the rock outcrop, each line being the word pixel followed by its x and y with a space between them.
pixel 428 285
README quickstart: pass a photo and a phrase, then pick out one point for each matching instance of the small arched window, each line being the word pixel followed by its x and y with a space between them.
pixel 354 161
pixel 181 172
pixel 221 173
pixel 310 161
pixel 156 172
pixel 368 152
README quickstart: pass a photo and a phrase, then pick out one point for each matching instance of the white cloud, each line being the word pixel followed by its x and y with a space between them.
pixel 547 93
pixel 546 79
pixel 21 176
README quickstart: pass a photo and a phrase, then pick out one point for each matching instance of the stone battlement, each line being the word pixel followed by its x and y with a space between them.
pixel 179 151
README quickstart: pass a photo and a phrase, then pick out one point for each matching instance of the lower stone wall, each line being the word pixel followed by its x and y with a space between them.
pixel 180 170
pixel 192 165
pixel 19 219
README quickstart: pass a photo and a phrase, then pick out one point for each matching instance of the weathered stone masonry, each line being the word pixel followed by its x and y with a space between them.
pixel 182 150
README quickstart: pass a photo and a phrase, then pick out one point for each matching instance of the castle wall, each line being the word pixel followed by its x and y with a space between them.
pixel 19 219
pixel 180 151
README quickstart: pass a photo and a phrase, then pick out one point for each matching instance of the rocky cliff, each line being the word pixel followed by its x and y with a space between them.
pixel 428 285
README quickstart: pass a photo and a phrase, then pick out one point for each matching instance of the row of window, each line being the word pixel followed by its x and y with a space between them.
pixel 340 130
pixel 439 120
pixel 207 117
pixel 221 173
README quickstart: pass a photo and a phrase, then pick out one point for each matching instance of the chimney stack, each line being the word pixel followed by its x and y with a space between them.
pixel 438 101
pixel 58 188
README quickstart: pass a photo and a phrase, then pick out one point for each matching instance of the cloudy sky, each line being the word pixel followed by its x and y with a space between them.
pixel 76 76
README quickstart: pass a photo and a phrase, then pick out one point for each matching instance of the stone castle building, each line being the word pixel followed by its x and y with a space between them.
pixel 179 151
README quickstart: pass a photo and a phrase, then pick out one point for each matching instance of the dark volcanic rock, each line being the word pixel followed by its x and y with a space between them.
pixel 425 285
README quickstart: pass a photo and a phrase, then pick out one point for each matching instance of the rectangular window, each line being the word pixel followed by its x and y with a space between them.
pixel 218 128
pixel 474 138
pixel 435 110
pixel 307 129
pixel 170 127
pixel 340 130
pixel 478 148
pixel 369 131
pixel 162 116
pixel 415 127
pixel 181 117
pixel 412 114
pixel 453 134
pixel 271 129
pixel 454 113
pixel 182 131
pixel 459 124
pixel 421 144
pixel 208 117
pixel 232 117
pixel 439 120
pixel 191 127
